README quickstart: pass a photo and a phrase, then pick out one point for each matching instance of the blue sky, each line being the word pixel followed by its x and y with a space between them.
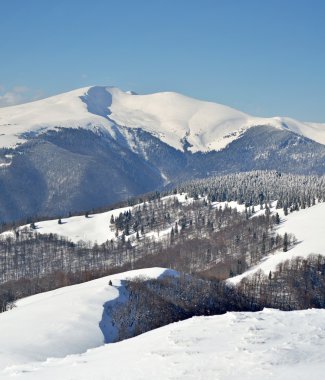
pixel 264 57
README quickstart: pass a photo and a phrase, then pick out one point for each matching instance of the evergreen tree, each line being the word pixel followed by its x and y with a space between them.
pixel 285 210
pixel 277 218
pixel 285 242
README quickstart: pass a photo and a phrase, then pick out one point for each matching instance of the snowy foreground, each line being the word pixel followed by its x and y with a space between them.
pixel 63 321
pixel 60 335
pixel 264 345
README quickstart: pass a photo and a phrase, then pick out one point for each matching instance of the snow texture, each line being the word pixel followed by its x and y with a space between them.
pixel 264 345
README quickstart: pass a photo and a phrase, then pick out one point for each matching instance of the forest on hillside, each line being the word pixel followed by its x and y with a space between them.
pixel 197 237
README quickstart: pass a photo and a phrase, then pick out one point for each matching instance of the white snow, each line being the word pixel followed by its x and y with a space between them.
pixel 308 226
pixel 61 111
pixel 314 131
pixel 168 115
pixel 61 322
pixel 96 228
pixel 250 346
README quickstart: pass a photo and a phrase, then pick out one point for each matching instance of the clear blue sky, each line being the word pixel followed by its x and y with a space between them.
pixel 264 57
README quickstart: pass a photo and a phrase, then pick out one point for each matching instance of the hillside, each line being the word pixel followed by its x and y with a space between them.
pixel 307 226
pixel 219 228
pixel 62 322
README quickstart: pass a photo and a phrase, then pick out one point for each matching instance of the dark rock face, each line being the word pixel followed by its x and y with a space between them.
pixel 70 170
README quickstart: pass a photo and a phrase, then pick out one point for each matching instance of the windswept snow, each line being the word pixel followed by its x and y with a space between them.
pixel 250 346
pixel 308 226
pixel 170 116
pixel 61 322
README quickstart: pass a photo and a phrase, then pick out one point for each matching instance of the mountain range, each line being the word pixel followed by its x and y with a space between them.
pixel 97 145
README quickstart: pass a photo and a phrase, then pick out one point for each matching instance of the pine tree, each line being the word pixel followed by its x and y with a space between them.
pixel 277 218
pixel 285 210
pixel 172 235
pixel 285 242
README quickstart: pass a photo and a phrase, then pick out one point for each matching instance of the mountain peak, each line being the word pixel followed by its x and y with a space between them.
pixel 169 116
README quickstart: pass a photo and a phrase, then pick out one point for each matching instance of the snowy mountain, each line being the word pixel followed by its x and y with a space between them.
pixel 171 117
pixel 97 145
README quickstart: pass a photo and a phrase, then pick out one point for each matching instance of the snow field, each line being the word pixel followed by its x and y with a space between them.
pixel 251 346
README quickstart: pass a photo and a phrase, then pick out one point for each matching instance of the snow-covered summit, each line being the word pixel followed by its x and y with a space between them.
pixel 174 118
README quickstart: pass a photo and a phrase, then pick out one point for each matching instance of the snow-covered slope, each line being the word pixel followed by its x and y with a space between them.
pixel 250 346
pixel 63 321
pixel 171 117
pixel 308 226
pixel 97 227
pixel 65 110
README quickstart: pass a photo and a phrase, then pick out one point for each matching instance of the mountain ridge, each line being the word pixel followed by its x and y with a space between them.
pixel 174 118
